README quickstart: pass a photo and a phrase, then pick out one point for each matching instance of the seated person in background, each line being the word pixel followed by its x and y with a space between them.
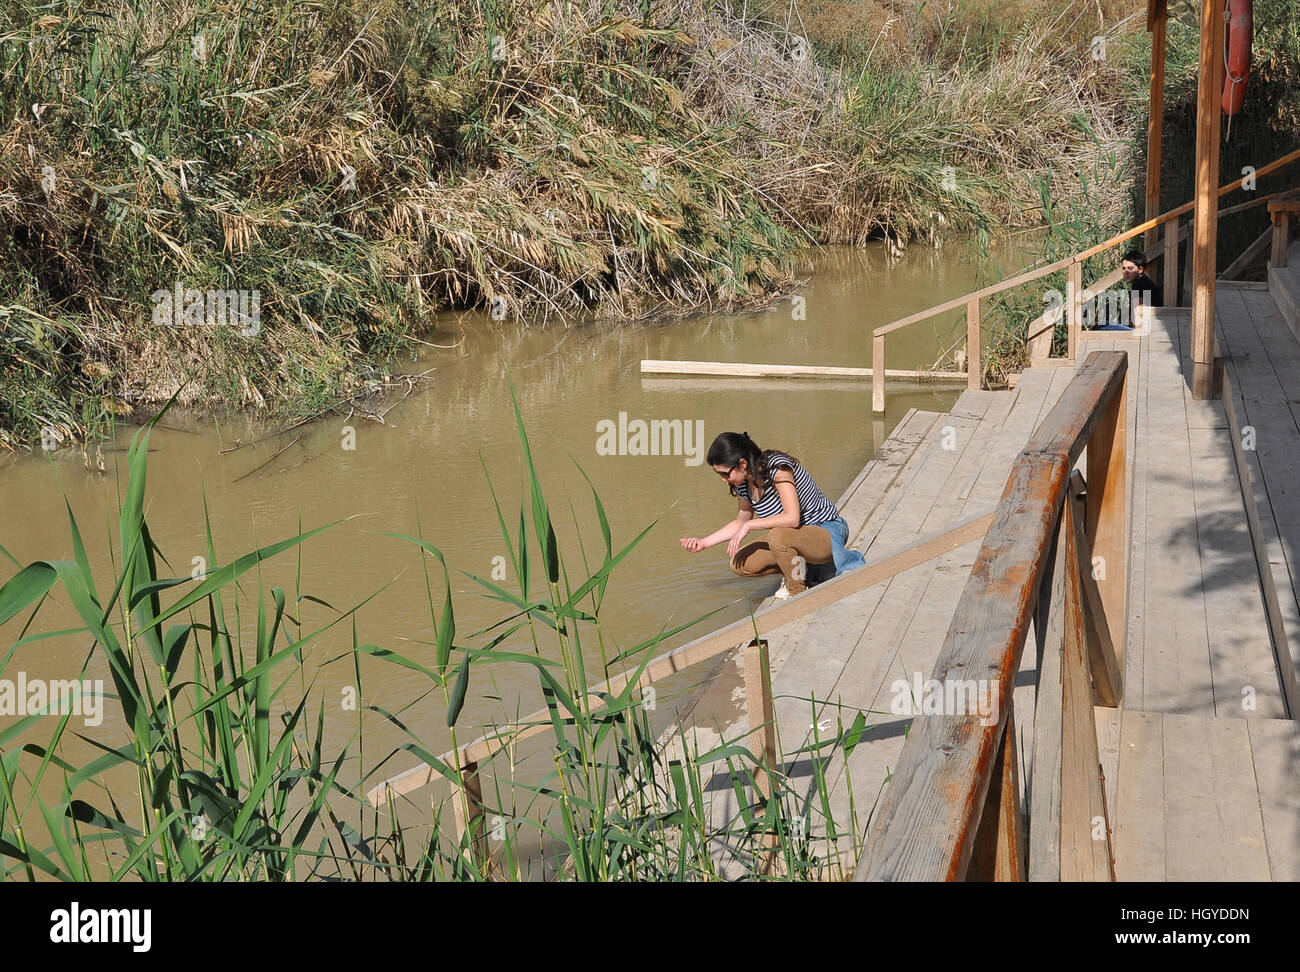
pixel 1134 269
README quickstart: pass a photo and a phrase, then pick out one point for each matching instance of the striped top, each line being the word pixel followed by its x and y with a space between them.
pixel 814 507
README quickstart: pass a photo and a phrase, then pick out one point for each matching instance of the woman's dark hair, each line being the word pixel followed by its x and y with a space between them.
pixel 1135 256
pixel 731 447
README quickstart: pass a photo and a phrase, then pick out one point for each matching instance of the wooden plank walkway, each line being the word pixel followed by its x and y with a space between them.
pixel 1202 761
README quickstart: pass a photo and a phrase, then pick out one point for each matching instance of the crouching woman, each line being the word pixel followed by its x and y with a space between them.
pixel 807 538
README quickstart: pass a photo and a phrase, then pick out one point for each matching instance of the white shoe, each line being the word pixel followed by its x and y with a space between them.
pixel 782 592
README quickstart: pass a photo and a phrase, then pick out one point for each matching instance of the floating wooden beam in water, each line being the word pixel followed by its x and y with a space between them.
pixel 735 369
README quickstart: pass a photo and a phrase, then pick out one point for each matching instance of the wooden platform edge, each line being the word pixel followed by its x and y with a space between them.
pixel 1283 655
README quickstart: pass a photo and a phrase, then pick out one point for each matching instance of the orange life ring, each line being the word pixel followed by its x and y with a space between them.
pixel 1239 28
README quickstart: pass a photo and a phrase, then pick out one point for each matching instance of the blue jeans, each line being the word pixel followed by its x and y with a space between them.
pixel 843 560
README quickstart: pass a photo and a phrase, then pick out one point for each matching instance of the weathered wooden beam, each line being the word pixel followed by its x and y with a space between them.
pixel 1074 307
pixel 762 715
pixel 762 737
pixel 927 826
pixel 1170 268
pixel 1107 681
pixel 1070 423
pixel 467 810
pixel 1205 239
pixel 1155 121
pixel 1045 769
pixel 736 369
pixel 878 373
pixel 1085 831
pixel 999 853
pixel 1281 239
pixel 1107 511
pixel 974 361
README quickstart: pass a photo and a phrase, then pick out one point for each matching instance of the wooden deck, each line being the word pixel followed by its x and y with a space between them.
pixel 1201 760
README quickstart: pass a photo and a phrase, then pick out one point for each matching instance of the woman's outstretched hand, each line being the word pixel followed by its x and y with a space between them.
pixel 693 544
pixel 734 546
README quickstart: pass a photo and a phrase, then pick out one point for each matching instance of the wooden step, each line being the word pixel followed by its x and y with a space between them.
pixel 1284 287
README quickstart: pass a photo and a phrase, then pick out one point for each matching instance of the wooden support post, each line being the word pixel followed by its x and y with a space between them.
pixel 878 373
pixel 974 360
pixel 1155 118
pixel 1074 307
pixel 475 823
pixel 999 852
pixel 1281 237
pixel 1189 265
pixel 762 736
pixel 1204 256
pixel 1170 269
pixel 1085 830
pixel 762 716
pixel 1045 767
pixel 1106 523
pixel 1107 681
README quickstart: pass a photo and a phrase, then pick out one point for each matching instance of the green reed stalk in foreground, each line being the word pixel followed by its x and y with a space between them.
pixel 231 781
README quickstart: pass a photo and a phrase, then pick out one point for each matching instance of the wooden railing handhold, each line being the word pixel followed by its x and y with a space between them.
pixel 926 828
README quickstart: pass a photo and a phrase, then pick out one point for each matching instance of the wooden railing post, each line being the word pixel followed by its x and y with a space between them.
pixel 474 823
pixel 762 716
pixel 878 373
pixel 974 360
pixel 762 737
pixel 1074 307
pixel 999 853
pixel 1189 264
pixel 1085 829
pixel 1107 514
pixel 1170 268
pixel 1281 237
pixel 1045 772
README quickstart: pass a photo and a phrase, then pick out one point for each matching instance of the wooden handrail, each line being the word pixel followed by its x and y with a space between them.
pixel 1091 251
pixel 1072 263
pixel 940 790
pixel 702 649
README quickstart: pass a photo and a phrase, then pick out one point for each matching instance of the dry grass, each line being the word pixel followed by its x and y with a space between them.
pixel 366 165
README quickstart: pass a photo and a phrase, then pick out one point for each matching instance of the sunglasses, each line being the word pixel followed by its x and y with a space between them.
pixel 724 475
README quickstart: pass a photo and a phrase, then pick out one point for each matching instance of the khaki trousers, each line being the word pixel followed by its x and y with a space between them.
pixel 786 551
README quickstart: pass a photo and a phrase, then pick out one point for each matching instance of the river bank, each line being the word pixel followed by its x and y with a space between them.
pixel 345 174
